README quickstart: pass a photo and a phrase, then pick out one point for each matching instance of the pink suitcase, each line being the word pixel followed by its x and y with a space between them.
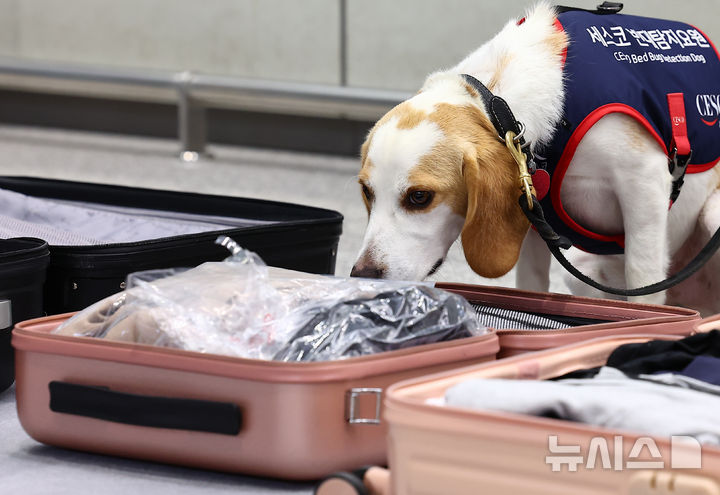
pixel 439 449
pixel 287 420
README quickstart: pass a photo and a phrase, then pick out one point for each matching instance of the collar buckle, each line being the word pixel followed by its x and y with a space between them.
pixel 524 178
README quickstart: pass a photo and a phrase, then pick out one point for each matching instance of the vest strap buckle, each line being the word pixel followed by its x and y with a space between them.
pixel 677 165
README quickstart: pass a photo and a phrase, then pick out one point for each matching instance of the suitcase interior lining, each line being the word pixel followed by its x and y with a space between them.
pixel 69 223
pixel 509 319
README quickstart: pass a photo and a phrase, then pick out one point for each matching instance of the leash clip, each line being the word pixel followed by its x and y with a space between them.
pixel 525 179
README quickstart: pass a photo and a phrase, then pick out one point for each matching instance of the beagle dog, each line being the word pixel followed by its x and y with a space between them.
pixel 433 169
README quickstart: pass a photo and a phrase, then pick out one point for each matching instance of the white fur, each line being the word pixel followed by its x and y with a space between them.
pixel 600 190
pixel 396 151
pixel 532 81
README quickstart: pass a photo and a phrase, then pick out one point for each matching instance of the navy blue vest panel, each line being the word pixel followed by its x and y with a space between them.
pixel 629 64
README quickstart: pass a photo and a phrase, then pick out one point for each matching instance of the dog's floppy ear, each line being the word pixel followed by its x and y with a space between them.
pixel 495 226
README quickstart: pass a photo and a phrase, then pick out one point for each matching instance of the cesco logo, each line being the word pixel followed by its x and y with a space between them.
pixel 708 107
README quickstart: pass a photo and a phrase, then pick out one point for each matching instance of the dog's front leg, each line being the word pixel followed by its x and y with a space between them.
pixel 533 267
pixel 646 258
pixel 618 181
pixel 644 203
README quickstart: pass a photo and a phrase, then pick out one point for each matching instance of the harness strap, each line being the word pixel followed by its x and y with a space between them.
pixel 502 118
pixel 555 242
pixel 604 8
pixel 680 150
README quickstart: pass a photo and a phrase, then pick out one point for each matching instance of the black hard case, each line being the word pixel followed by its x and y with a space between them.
pixel 23 263
pixel 300 238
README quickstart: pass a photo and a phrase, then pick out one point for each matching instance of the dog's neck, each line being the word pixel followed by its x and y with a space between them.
pixel 522 64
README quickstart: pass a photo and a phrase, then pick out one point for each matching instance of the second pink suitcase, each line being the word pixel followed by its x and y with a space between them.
pixel 435 448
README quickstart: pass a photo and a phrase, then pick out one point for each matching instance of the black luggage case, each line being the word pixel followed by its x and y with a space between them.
pixel 23 264
pixel 284 235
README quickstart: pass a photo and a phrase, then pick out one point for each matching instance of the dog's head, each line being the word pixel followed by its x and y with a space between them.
pixel 432 169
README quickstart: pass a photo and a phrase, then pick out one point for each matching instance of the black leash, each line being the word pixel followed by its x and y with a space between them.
pixel 555 242
pixel 503 120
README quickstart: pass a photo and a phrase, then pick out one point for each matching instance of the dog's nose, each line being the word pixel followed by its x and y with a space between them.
pixel 367 271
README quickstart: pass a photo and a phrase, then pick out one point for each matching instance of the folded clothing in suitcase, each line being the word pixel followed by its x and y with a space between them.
pixel 23 263
pixel 299 420
pixel 100 233
pixel 440 448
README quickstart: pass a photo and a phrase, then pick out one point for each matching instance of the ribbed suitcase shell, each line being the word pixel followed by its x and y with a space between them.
pixel 300 238
pixel 23 263
pixel 295 416
pixel 440 449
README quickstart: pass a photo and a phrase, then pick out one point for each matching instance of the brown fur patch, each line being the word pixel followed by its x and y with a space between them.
pixel 635 134
pixel 495 226
pixel 502 64
pixel 557 42
pixel 409 117
pixel 471 90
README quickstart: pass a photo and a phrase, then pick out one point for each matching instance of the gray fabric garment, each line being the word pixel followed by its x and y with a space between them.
pixel 611 400
pixel 677 380
pixel 62 223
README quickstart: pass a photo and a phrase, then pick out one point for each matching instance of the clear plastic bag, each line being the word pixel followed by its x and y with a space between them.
pixel 236 307
pixel 394 319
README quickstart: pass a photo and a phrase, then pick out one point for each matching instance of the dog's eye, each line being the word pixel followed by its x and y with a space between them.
pixel 367 193
pixel 419 199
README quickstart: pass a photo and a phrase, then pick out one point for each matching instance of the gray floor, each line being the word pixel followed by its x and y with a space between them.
pixel 31 468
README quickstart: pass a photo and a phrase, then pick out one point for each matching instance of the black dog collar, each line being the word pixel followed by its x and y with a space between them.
pixel 501 117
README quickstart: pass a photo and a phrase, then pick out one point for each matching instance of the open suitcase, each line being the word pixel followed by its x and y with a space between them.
pixel 23 263
pixel 100 233
pixel 287 420
pixel 439 449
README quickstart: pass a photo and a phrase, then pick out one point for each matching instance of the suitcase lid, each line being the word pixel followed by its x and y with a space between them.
pixel 21 249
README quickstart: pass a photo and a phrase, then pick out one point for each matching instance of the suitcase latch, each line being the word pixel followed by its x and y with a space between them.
pixel 353 404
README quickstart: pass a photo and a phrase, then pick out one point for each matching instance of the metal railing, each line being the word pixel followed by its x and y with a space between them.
pixel 194 93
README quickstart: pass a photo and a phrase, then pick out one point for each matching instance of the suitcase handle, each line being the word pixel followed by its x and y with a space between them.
pixel 145 410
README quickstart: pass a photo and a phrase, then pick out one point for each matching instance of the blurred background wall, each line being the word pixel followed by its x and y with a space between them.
pixel 384 44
